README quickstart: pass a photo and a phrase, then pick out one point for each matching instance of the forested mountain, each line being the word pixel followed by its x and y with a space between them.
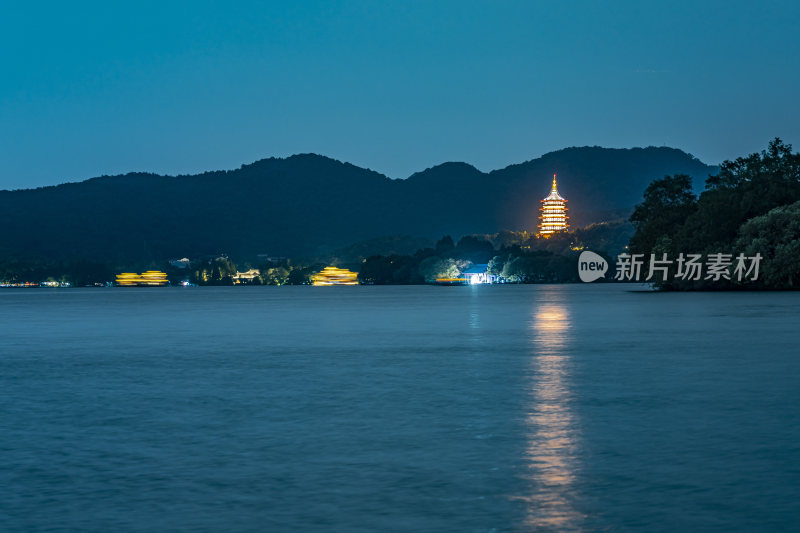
pixel 303 203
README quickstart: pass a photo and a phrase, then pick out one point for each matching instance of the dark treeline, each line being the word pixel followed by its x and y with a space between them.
pixel 75 272
pixel 751 206
pixel 211 271
pixel 514 262
pixel 448 259
pixel 517 257
pixel 221 271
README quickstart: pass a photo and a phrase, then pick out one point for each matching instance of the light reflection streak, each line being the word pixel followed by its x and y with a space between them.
pixel 550 453
pixel 474 312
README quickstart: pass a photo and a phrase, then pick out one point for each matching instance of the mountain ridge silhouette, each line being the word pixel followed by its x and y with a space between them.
pixel 294 205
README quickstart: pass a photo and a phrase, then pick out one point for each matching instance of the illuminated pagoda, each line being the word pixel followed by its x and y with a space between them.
pixel 553 216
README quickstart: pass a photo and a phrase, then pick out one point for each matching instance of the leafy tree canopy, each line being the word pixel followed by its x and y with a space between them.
pixel 744 209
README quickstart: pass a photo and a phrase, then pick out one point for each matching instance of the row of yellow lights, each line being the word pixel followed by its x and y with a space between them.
pixel 151 278
pixel 335 276
pixel 553 217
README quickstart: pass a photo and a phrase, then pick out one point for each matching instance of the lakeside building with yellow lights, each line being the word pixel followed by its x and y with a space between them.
pixel 553 215
pixel 335 276
pixel 242 278
pixel 151 278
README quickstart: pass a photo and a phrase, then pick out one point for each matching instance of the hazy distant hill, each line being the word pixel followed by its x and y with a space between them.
pixel 299 204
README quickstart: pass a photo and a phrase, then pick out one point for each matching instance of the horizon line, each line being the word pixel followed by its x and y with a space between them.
pixel 342 161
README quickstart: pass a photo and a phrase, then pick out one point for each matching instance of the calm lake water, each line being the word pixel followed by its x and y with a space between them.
pixel 494 408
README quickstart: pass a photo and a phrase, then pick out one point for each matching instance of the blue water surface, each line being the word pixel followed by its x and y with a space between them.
pixel 483 408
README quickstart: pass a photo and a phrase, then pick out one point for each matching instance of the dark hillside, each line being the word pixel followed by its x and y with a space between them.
pixel 301 203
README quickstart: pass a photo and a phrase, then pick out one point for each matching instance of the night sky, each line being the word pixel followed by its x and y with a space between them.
pixel 397 87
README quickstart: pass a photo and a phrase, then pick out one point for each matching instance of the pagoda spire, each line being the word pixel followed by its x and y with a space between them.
pixel 555 186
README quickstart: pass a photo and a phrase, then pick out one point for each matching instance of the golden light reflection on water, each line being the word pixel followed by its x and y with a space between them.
pixel 550 453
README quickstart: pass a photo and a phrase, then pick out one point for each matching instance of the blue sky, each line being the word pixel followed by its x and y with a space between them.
pixel 170 87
